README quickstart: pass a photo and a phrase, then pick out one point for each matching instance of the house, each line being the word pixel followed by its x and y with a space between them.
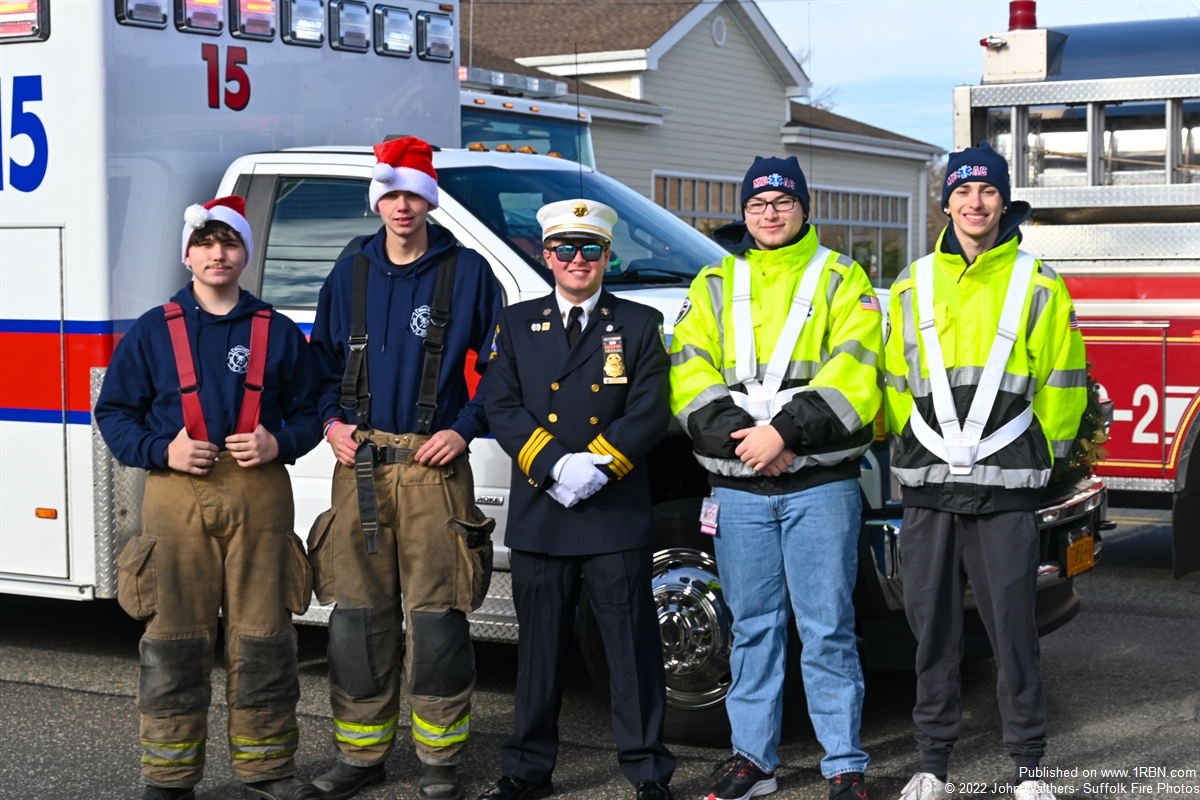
pixel 683 95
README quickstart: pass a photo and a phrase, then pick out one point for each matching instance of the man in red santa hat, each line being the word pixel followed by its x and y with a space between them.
pixel 198 393
pixel 395 322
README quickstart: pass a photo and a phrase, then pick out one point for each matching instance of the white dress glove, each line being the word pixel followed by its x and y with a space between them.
pixel 562 494
pixel 577 472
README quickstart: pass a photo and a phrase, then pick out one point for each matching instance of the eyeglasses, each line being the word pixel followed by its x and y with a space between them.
pixel 780 204
pixel 566 252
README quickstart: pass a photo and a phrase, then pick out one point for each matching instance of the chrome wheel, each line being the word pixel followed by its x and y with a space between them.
pixel 696 628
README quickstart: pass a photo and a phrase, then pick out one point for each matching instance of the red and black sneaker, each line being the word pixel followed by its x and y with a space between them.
pixel 848 786
pixel 739 779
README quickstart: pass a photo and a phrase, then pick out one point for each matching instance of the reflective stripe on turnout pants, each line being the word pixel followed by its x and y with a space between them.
pixel 420 551
pixel 219 543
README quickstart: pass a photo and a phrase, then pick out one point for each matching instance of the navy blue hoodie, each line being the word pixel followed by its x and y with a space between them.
pixel 398 302
pixel 139 411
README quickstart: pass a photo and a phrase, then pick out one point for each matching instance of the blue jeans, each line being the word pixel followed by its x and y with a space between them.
pixel 801 547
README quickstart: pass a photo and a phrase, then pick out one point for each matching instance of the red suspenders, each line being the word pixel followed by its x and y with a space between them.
pixel 193 415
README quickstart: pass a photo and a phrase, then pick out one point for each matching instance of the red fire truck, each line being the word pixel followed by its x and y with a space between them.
pixel 1101 127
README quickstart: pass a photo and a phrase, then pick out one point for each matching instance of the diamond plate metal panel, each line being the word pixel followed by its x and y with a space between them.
pixel 1112 90
pixel 1165 242
pixel 104 522
pixel 117 492
pixel 1140 484
pixel 1110 196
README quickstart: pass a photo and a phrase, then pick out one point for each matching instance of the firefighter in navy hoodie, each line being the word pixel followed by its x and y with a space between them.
pixel 198 392
pixel 398 417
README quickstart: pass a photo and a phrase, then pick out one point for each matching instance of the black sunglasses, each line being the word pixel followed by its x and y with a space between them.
pixel 566 252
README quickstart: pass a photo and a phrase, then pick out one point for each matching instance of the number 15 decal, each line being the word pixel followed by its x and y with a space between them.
pixel 27 177
pixel 234 58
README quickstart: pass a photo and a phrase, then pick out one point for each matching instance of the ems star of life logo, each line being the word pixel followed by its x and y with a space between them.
pixel 238 359
pixel 419 324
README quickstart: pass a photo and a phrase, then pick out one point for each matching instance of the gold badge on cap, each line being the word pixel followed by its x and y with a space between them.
pixel 614 360
pixel 580 210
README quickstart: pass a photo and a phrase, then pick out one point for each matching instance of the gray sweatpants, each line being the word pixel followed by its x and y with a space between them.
pixel 998 554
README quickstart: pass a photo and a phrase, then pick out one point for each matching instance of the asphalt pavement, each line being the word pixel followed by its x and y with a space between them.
pixel 1122 682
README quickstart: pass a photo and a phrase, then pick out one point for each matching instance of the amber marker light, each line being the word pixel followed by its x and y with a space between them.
pixel 46 513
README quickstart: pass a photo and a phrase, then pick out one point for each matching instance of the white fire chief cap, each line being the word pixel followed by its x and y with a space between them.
pixel 577 218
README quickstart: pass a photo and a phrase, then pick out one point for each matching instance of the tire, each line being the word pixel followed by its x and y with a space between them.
pixel 1185 537
pixel 696 628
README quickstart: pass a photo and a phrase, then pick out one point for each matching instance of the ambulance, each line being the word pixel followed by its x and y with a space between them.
pixel 116 116
pixel 121 118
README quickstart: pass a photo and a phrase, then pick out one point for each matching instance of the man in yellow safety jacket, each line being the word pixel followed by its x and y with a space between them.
pixel 775 375
pixel 986 384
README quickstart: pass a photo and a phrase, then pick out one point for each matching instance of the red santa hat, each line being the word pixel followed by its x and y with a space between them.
pixel 405 165
pixel 231 210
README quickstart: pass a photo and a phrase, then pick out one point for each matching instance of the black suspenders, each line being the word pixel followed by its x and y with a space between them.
pixel 356 391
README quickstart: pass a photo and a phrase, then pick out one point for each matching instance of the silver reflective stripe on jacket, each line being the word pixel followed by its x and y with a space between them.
pixel 735 468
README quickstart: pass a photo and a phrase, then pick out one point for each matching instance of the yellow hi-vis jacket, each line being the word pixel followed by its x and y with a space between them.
pixel 1046 367
pixel 835 363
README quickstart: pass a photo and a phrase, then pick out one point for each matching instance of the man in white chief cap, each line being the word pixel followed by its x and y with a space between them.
pixel 577 396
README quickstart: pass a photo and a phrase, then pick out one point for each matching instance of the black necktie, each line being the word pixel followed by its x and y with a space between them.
pixel 573 325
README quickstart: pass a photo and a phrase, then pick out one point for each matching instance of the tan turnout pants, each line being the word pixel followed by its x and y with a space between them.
pixel 433 563
pixel 220 542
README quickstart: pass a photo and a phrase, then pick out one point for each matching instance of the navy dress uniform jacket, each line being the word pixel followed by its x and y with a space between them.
pixel 546 400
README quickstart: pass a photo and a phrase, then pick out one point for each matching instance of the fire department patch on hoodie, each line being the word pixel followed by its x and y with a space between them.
pixel 419 324
pixel 238 359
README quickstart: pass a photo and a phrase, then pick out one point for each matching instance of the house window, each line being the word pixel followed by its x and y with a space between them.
pixel 870 227
pixel 706 202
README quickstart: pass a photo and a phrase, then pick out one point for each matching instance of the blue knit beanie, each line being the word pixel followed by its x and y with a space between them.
pixel 981 164
pixel 775 175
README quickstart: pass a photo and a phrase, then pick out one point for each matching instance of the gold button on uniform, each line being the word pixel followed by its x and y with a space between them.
pixel 595 387
pixel 594 420
pixel 553 418
pixel 554 386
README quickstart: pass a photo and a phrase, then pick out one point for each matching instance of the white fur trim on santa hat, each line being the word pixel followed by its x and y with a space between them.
pixel 192 222
pixel 402 179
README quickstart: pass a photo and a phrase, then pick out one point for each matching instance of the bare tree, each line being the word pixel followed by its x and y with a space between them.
pixel 824 98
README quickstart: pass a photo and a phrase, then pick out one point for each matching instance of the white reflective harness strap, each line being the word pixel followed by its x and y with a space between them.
pixel 761 395
pixel 963 447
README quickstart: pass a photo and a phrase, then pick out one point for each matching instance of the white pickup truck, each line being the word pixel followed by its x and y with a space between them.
pixel 305 205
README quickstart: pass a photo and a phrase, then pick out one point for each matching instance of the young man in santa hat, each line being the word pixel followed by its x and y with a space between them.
pixel 199 392
pixel 395 322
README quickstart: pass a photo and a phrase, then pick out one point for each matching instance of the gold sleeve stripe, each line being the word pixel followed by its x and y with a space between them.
pixel 620 465
pixel 537 440
pixel 616 467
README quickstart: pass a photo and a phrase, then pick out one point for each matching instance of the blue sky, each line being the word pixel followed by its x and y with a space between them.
pixel 894 64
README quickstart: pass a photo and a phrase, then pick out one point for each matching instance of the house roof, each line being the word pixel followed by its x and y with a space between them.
pixel 807 116
pixel 486 58
pixel 553 27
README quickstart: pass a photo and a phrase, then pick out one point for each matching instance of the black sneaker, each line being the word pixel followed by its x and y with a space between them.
pixel 739 779
pixel 848 786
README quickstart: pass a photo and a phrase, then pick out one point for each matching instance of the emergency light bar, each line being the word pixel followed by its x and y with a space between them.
pixel 24 21
pixel 489 80
pixel 435 37
pixel 349 25
pixel 146 13
pixel 252 19
pixel 200 16
pixel 393 31
pixel 303 22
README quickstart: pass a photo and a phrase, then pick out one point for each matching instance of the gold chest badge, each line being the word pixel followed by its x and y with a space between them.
pixel 614 360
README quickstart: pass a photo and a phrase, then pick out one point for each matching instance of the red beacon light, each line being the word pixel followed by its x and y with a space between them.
pixel 1022 15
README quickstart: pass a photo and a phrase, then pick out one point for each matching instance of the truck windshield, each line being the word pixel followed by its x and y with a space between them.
pixel 545 135
pixel 651 246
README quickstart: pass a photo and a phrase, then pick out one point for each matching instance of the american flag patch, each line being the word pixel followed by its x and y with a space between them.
pixel 871 303
pixel 1074 321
